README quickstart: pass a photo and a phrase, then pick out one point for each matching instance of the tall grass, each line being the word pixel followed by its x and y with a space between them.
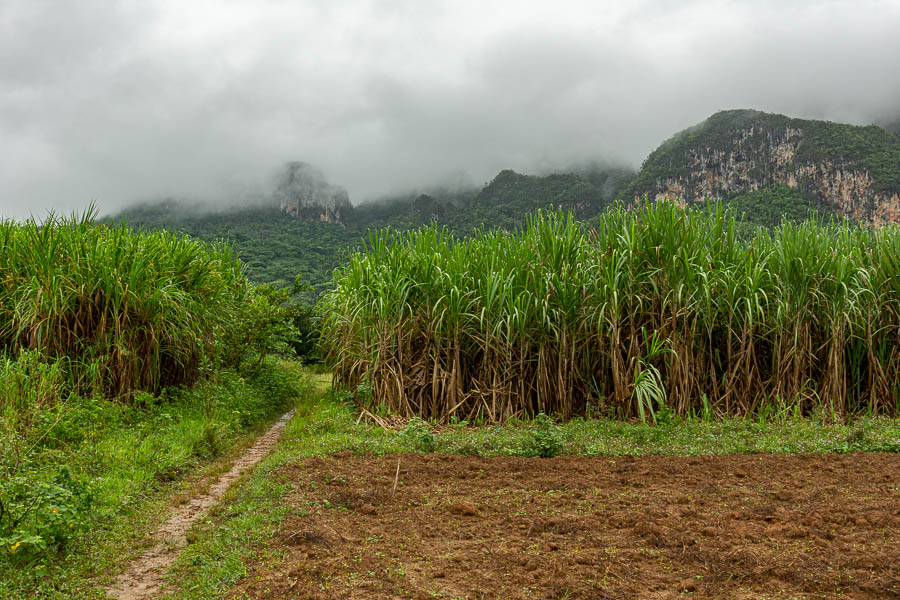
pixel 121 311
pixel 89 313
pixel 656 308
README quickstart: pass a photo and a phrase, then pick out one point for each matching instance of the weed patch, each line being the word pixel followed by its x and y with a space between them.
pixel 90 474
pixel 543 440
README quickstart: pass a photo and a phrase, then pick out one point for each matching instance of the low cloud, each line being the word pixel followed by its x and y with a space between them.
pixel 113 103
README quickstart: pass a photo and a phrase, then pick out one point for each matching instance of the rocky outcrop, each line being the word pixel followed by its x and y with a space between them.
pixel 729 160
pixel 302 190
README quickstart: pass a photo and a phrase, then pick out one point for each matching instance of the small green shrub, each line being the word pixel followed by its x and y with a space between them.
pixel 419 434
pixel 468 448
pixel 212 442
pixel 544 440
pixel 40 516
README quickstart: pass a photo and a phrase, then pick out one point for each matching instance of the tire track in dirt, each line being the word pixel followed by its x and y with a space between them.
pixel 144 577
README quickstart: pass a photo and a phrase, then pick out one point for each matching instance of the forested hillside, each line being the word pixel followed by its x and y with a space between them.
pixel 893 126
pixel 277 246
pixel 766 167
pixel 849 170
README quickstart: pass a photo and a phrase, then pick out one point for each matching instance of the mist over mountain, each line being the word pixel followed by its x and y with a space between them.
pixel 116 103
pixel 892 126
pixel 298 228
pixel 766 167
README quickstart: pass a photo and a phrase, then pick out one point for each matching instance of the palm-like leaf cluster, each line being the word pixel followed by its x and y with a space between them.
pixel 556 318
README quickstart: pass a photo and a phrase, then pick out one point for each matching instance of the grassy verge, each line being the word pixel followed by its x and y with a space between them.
pixel 237 534
pixel 123 463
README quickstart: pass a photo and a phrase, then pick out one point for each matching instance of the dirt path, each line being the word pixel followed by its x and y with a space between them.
pixel 745 527
pixel 144 577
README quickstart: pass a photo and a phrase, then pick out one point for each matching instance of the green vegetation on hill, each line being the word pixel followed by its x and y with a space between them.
pixel 893 126
pixel 412 209
pixel 870 148
pixel 505 201
pixel 276 247
pixel 670 159
pixel 772 205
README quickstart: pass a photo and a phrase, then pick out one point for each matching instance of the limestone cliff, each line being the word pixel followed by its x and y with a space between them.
pixel 302 190
pixel 853 171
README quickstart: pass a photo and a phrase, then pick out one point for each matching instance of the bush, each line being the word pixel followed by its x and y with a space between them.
pixel 544 439
pixel 419 434
pixel 39 516
pixel 122 311
pixel 115 456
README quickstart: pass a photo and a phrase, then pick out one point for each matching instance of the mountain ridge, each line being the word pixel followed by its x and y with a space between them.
pixel 851 170
pixel 766 167
pixel 276 244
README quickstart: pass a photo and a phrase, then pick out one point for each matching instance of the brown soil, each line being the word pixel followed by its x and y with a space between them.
pixel 758 526
pixel 144 577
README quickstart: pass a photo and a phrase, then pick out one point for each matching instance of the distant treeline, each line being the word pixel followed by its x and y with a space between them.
pixel 276 247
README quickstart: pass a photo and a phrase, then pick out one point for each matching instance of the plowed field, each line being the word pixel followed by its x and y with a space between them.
pixel 748 526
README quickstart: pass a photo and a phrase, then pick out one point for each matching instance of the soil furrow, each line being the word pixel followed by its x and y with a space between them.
pixel 582 528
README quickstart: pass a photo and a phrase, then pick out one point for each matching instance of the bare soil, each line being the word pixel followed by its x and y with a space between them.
pixel 144 578
pixel 749 526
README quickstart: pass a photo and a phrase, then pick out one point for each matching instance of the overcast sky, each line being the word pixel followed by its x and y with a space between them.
pixel 114 102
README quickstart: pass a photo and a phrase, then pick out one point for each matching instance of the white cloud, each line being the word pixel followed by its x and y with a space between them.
pixel 118 101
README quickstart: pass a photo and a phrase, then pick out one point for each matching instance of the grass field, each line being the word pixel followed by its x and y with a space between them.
pixel 124 466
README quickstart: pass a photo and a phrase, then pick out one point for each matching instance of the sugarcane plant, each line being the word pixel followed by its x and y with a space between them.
pixel 652 305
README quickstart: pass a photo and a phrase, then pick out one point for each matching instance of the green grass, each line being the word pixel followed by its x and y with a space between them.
pixel 240 532
pixel 129 461
pixel 236 530
pixel 328 427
